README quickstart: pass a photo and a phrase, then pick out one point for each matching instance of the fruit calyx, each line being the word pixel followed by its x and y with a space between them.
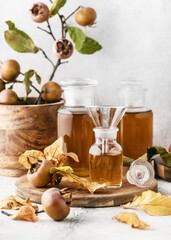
pixel 63 48
pixel 39 12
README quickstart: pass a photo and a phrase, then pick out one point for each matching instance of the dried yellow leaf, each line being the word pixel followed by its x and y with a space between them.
pixel 54 150
pixel 131 219
pixel 31 155
pixel 26 213
pixel 73 156
pixel 68 173
pixel 15 203
pixel 153 203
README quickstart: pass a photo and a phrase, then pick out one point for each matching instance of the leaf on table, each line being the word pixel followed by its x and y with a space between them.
pixel 131 219
pixel 19 40
pixel 54 151
pixel 68 173
pixel 127 161
pixel 26 213
pixel 164 154
pixel 57 4
pixel 30 156
pixel 151 202
pixel 15 203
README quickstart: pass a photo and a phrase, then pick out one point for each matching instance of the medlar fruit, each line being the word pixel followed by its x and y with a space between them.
pixel 10 69
pixel 38 175
pixel 8 97
pixel 54 204
pixel 2 85
pixel 51 92
pixel 85 16
pixel 63 48
pixel 39 12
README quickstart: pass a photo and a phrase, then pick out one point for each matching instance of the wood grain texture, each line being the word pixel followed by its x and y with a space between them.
pixel 163 172
pixel 25 127
pixel 81 197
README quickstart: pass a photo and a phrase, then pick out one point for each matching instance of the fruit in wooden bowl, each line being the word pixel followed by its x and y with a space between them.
pixel 10 69
pixel 54 204
pixel 8 97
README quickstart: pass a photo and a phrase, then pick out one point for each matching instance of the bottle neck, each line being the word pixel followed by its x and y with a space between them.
pixel 105 134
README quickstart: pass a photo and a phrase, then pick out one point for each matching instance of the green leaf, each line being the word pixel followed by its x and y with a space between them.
pixel 57 4
pixel 19 40
pixel 77 36
pixel 68 169
pixel 127 161
pixel 27 82
pixel 83 44
pixel 164 154
pixel 38 78
pixel 11 87
pixel 90 46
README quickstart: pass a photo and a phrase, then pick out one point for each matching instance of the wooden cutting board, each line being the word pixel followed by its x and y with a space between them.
pixel 81 197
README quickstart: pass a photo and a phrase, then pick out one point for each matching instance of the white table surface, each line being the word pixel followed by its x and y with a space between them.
pixel 84 223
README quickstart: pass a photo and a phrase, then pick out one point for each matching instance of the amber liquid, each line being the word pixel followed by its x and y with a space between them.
pixel 136 133
pixel 107 169
pixel 76 128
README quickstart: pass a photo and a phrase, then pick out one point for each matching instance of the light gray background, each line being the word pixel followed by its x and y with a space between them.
pixel 136 39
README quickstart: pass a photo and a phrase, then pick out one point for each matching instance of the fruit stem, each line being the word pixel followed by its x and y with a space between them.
pixel 46 56
pixel 72 13
pixel 6 213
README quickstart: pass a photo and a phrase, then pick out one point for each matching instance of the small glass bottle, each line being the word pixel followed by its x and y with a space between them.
pixel 136 128
pixel 74 123
pixel 106 158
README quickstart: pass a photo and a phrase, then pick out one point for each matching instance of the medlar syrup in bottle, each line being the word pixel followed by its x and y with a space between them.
pixel 74 123
pixel 106 158
pixel 136 128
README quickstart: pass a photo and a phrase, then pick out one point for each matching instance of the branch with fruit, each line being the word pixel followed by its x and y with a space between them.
pixel 62 47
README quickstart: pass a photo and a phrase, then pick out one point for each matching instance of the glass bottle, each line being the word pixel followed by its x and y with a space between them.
pixel 106 158
pixel 136 130
pixel 74 123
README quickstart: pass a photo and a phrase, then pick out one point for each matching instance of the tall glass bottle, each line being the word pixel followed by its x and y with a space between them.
pixel 137 124
pixel 74 123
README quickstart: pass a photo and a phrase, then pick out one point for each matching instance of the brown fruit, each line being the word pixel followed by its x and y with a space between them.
pixel 39 12
pixel 52 92
pixel 10 69
pixel 170 148
pixel 2 85
pixel 8 97
pixel 63 48
pixel 85 16
pixel 54 204
pixel 38 175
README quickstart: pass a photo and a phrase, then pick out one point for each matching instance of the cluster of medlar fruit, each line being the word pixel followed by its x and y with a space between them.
pixel 52 200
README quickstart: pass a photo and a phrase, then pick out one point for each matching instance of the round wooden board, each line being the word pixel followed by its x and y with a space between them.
pixel 81 197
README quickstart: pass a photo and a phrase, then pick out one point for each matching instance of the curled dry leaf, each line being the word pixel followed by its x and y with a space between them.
pixel 32 155
pixel 26 213
pixel 131 219
pixel 15 203
pixel 54 150
pixel 68 173
pixel 153 203
pixel 73 156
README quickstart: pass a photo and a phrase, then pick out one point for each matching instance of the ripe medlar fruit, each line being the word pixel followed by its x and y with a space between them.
pixel 39 12
pixel 63 48
pixel 85 16
pixel 2 85
pixel 10 69
pixel 38 175
pixel 51 92
pixel 54 204
pixel 8 97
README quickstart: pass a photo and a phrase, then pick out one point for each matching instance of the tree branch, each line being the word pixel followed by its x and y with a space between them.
pixel 46 57
pixel 50 30
pixel 73 13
